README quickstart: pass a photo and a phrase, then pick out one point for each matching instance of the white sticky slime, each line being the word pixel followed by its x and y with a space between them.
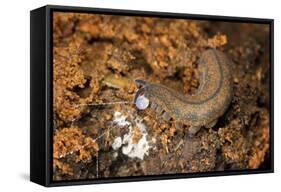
pixel 132 150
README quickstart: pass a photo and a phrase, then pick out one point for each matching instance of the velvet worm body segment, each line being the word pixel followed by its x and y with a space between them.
pixel 203 108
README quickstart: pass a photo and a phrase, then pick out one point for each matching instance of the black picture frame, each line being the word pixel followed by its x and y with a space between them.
pixel 41 91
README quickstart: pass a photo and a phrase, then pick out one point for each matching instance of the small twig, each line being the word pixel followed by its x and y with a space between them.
pixel 109 103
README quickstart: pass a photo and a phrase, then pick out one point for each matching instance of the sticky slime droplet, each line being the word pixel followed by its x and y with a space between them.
pixel 142 102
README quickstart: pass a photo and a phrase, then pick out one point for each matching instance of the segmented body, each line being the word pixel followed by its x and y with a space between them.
pixel 201 109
